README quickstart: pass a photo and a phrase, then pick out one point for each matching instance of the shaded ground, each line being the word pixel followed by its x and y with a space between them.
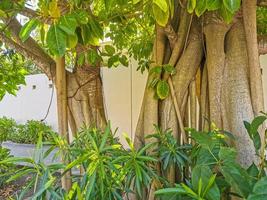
pixel 12 189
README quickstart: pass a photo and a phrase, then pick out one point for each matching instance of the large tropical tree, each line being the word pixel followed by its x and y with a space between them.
pixel 202 57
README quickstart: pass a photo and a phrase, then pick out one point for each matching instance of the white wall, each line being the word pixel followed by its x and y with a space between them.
pixel 120 91
pixel 31 103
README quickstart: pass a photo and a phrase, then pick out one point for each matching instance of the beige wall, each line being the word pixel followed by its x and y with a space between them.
pixel 123 89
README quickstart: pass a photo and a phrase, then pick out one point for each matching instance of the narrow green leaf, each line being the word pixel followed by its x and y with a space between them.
pixel 26 30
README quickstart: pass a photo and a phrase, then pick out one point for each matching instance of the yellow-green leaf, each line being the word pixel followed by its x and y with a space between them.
pixel 162 4
pixel 163 89
pixel 160 16
pixel 26 30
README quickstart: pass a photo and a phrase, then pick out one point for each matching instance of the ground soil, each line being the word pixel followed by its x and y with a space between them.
pixel 12 189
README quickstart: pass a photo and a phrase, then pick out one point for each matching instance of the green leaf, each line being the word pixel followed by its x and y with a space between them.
pixel 124 60
pixel 259 190
pixel 156 70
pixel 88 35
pixel 253 172
pixel 56 40
pixel 232 5
pixel 113 61
pixel 81 59
pixel 81 16
pixel 110 50
pixel 68 24
pixel 226 14
pixel 252 130
pixel 201 7
pixel 44 187
pixel 160 16
pixel 203 139
pixel 169 69
pixel 191 5
pixel 209 188
pixel 256 123
pixel 96 28
pixel 165 191
pixel 162 4
pixel 227 154
pixel 213 4
pixel 136 1
pixel 93 57
pixel 20 173
pixel 72 41
pixel 2 13
pixel 237 177
pixel 26 30
pixel 163 89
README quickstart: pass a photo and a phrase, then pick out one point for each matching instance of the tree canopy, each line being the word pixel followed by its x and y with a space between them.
pixel 58 28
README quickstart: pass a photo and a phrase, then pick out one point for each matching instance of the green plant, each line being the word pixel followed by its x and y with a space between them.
pixel 28 133
pixel 24 133
pixel 215 171
pixel 208 167
pixel 169 152
pixel 109 169
pixel 6 168
pixel 7 127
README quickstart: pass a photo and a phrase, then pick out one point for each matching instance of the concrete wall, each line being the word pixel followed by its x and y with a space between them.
pixel 123 97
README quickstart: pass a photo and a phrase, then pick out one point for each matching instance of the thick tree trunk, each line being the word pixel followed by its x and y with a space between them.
pixel 85 98
pixel 224 84
pixel 236 98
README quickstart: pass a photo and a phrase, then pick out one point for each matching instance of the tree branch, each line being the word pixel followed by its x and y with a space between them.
pixel 30 49
pixel 171 34
pixel 262 44
pixel 27 12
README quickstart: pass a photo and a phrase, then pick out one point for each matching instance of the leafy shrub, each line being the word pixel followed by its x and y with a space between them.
pixel 207 168
pixel 215 172
pixel 28 133
pixel 109 169
pixel 5 168
pixel 24 133
pixel 7 127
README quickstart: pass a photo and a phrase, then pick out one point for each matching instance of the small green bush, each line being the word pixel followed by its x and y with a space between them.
pixel 5 168
pixel 7 127
pixel 24 133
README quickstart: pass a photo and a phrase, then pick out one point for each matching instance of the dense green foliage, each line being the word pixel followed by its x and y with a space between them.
pixel 128 26
pixel 24 133
pixel 5 169
pixel 12 72
pixel 208 167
